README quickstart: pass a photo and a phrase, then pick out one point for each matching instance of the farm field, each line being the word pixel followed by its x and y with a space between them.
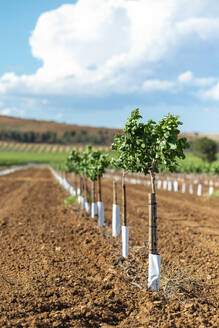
pixel 24 153
pixel 59 269
pixel 22 158
pixel 6 146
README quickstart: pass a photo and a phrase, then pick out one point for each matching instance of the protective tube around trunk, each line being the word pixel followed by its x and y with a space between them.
pixel 211 190
pixel 100 213
pixel 159 184
pixel 116 220
pixel 82 202
pixel 125 241
pixel 72 191
pixel 87 207
pixel 165 185
pixel 199 190
pixel 175 186
pixel 154 272
pixel 191 188
pixel 183 188
pixel 94 210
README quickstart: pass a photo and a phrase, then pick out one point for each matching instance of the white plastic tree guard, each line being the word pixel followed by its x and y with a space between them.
pixel 100 208
pixel 169 185
pixel 165 185
pixel 183 187
pixel 159 184
pixel 199 190
pixel 116 220
pixel 190 188
pixel 125 241
pixel 154 271
pixel 82 202
pixel 72 191
pixel 211 190
pixel 87 207
pixel 175 186
pixel 94 210
pixel 79 199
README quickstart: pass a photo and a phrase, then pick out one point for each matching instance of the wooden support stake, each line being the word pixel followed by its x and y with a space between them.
pixel 152 235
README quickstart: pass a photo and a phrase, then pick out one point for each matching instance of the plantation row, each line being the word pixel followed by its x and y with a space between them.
pixel 142 148
pixel 193 184
pixel 198 167
pixel 39 148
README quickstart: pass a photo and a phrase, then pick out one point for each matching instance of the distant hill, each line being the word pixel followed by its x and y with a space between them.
pixel 23 125
pixel 70 133
pixel 194 136
pixel 65 133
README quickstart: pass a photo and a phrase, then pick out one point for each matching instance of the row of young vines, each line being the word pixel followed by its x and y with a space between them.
pixel 141 148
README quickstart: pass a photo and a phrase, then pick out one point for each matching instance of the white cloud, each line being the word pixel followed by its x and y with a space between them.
pixel 205 28
pixel 204 82
pixel 212 93
pixel 189 78
pixel 97 46
pixel 157 85
pixel 185 77
pixel 6 111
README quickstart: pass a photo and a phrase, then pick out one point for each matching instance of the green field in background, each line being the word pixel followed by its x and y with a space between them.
pixel 22 158
pixel 192 159
pixel 192 164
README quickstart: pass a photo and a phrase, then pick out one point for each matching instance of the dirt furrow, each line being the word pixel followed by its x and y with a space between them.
pixel 59 269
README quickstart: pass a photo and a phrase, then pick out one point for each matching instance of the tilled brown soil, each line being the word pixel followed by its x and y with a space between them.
pixel 59 269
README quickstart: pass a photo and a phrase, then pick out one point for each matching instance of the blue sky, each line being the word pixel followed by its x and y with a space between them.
pixel 91 62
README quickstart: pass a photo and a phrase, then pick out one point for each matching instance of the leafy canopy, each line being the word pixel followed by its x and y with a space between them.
pixel 73 161
pixel 145 147
pixel 97 162
pixel 90 163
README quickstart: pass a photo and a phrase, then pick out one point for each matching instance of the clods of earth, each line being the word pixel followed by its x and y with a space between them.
pixel 59 269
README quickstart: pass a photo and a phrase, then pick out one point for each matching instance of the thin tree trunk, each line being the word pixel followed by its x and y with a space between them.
pixel 81 185
pixel 93 185
pixel 124 204
pixel 99 189
pixel 76 182
pixel 85 188
pixel 152 236
pixel 153 185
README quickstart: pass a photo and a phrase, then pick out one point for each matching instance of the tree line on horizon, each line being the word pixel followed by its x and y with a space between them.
pixel 51 137
pixel 202 147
